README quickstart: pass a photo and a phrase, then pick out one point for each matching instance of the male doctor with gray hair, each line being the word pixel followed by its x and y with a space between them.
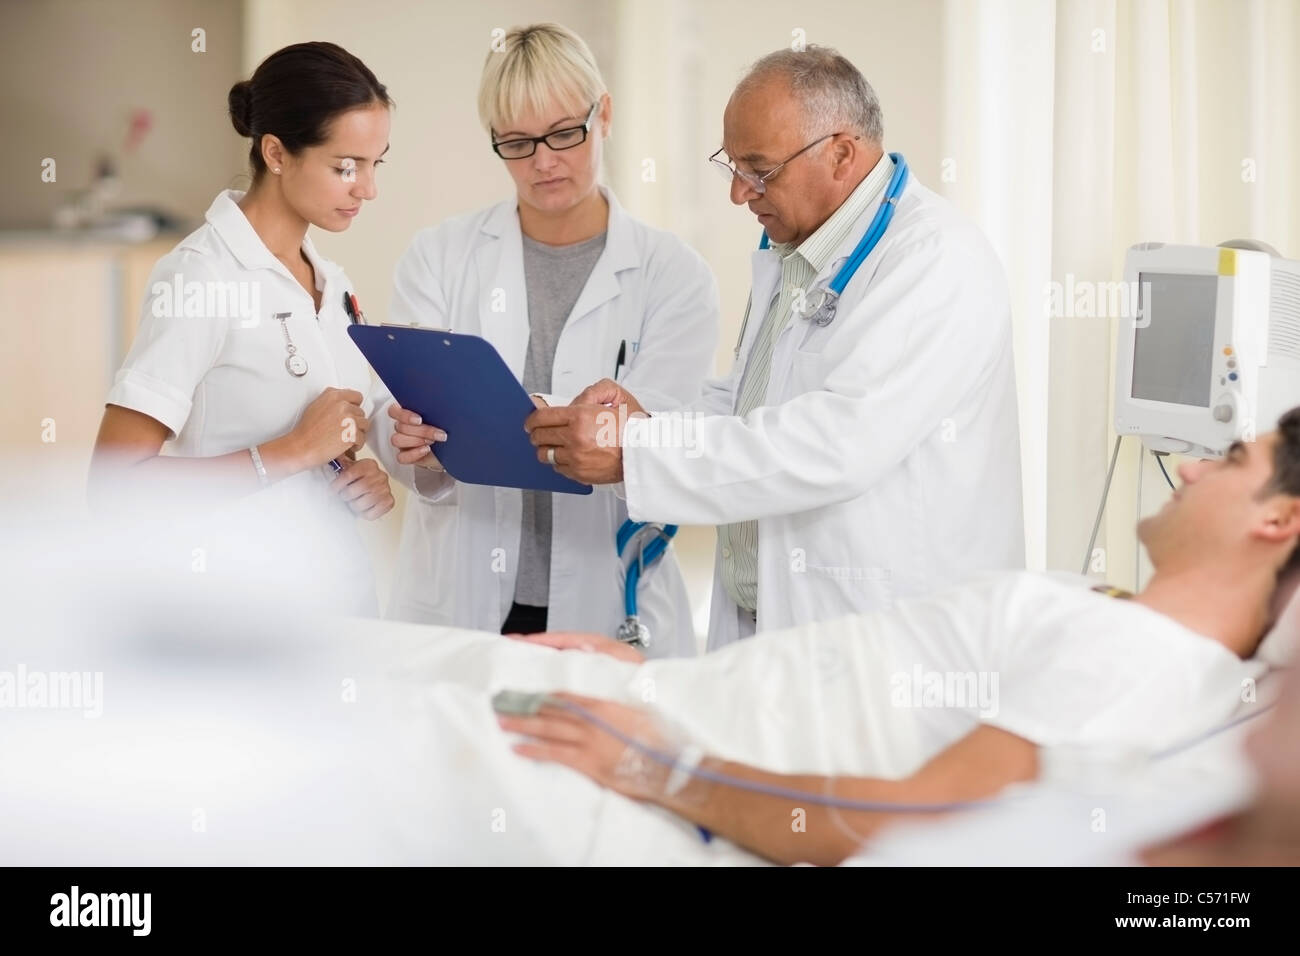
pixel 864 447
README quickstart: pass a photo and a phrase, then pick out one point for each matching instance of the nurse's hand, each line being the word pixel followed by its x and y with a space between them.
pixel 364 486
pixel 411 438
pixel 330 426
pixel 578 641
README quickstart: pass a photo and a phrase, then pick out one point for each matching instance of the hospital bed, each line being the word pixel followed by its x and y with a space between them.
pixel 485 784
pixel 247 732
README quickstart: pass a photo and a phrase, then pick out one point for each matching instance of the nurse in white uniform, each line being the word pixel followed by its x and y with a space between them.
pixel 242 390
pixel 568 287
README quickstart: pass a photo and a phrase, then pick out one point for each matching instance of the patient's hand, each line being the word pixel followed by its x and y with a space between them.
pixel 559 733
pixel 578 641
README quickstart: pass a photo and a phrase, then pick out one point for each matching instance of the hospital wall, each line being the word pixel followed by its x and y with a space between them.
pixel 74 72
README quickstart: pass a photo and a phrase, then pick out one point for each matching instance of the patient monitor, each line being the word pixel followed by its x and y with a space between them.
pixel 1211 354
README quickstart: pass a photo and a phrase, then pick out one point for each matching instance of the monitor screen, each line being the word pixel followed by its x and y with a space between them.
pixel 1173 353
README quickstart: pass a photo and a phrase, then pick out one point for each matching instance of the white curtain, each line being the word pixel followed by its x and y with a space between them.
pixel 1076 129
pixel 996 146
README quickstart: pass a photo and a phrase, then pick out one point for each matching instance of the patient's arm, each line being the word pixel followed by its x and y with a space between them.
pixel 979 765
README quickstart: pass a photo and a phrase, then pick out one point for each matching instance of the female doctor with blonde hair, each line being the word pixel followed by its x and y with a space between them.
pixel 570 289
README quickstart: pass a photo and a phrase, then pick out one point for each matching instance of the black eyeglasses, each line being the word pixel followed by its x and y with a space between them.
pixel 566 138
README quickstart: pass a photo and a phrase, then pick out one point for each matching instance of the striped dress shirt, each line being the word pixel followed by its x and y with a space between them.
pixel 799 267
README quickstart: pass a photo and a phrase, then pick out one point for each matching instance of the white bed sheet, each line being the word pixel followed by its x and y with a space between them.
pixel 489 806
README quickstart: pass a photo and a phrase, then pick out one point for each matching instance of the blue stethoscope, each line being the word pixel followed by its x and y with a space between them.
pixel 632 631
pixel 823 312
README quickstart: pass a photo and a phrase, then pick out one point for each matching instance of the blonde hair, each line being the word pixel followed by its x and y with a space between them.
pixel 537 68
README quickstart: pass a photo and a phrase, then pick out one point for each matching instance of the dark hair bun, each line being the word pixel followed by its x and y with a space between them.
pixel 240 103
pixel 296 92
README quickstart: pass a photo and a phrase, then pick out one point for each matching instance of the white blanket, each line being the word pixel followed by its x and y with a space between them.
pixel 821 700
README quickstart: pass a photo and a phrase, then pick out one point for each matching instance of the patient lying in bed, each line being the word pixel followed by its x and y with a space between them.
pixel 946 699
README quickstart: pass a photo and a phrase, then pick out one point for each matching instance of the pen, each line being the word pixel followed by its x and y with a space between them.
pixel 622 356
pixel 353 309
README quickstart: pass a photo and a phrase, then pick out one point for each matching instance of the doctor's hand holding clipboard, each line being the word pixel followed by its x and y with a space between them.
pixel 566 437
pixel 414 440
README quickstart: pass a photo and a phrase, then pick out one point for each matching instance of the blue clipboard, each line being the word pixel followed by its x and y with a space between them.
pixel 461 384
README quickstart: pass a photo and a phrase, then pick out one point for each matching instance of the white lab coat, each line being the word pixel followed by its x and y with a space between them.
pixel 885 459
pixel 460 542
pixel 216 377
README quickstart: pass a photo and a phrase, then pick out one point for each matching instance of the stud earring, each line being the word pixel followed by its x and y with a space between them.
pixel 277 169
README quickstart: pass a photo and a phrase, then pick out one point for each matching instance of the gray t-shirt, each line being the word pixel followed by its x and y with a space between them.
pixel 555 277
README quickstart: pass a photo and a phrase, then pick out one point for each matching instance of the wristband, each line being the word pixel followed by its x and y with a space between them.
pixel 682 769
pixel 262 478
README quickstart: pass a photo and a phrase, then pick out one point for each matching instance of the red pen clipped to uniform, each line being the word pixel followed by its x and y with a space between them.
pixel 353 309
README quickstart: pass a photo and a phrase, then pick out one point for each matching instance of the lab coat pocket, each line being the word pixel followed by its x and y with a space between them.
pixel 808 373
pixel 838 579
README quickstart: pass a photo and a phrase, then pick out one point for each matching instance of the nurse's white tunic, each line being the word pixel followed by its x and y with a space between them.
pixel 208 362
